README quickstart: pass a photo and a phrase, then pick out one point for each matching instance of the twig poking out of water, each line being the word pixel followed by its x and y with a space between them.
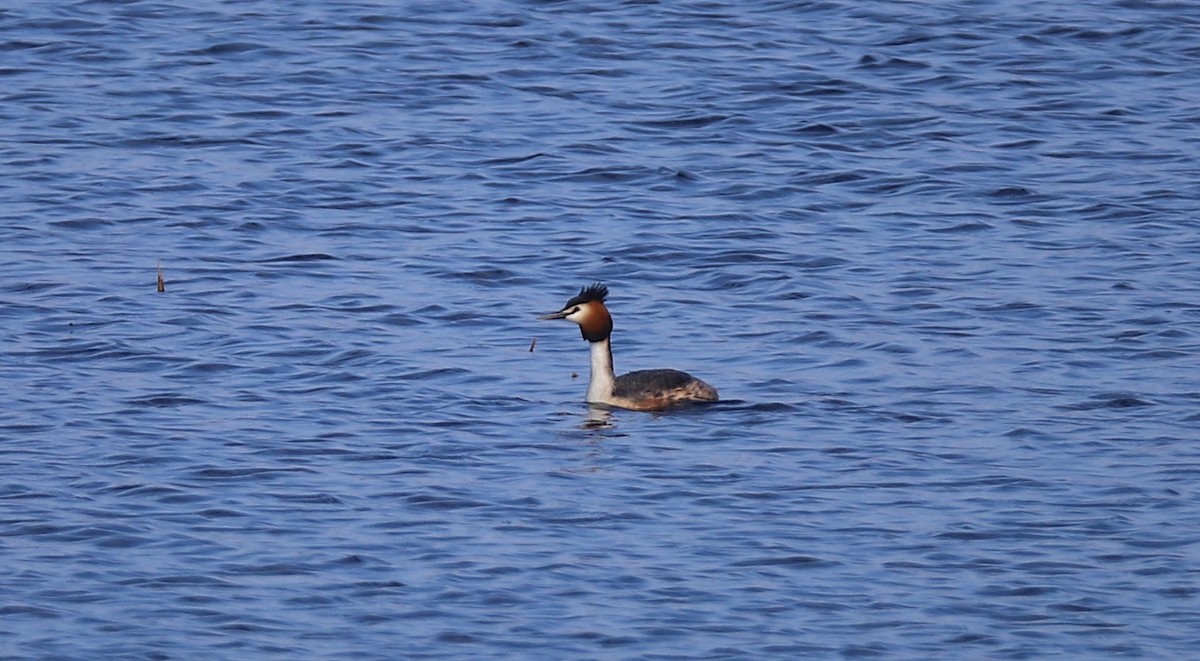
pixel 532 345
pixel 162 284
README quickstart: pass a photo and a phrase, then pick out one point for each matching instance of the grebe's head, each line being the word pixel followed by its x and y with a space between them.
pixel 587 309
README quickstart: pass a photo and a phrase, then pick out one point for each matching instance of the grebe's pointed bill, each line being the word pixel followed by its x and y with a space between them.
pixel 561 314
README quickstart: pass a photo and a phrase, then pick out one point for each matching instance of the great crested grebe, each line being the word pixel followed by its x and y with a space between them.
pixel 643 390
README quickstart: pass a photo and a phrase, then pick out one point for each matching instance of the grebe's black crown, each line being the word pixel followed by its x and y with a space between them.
pixel 596 292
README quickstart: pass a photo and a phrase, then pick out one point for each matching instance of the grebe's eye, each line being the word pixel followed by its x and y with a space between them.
pixel 575 310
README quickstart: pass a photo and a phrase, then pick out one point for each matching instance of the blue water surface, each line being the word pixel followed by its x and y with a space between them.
pixel 942 260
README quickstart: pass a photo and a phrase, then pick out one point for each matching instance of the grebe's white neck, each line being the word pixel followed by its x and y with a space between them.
pixel 603 379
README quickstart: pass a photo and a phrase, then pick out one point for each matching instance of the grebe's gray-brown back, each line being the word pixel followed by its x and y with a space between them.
pixel 643 390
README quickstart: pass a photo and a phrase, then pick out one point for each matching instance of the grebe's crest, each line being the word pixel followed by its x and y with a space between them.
pixel 597 292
